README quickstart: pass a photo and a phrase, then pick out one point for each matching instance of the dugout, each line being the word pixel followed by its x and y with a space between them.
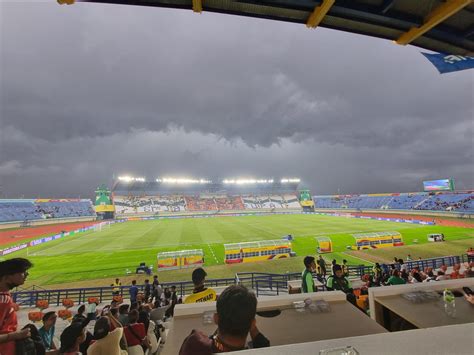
pixel 248 252
pixel 377 240
pixel 181 259
pixel 324 245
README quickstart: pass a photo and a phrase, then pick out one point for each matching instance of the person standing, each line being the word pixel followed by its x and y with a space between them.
pixel 157 291
pixel 147 290
pixel 116 287
pixel 133 291
pixel 345 268
pixel 13 273
pixel 307 282
pixel 201 293
pixel 322 265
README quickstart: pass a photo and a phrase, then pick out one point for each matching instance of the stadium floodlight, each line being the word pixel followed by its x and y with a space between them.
pixel 183 181
pixel 131 178
pixel 247 181
pixel 294 180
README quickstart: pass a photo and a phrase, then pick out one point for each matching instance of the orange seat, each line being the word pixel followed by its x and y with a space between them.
pixel 42 304
pixel 35 316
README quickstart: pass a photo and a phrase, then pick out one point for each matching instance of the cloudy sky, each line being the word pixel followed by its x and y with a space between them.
pixel 92 91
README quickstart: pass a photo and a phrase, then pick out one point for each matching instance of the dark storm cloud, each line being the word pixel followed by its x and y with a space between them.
pixel 89 90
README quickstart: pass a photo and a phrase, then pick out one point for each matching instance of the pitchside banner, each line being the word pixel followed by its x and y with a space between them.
pixel 449 63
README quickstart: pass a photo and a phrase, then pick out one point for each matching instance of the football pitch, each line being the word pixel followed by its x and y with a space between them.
pixel 113 251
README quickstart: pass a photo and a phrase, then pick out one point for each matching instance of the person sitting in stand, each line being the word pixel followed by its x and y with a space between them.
pixel 338 282
pixel 135 333
pixel 200 292
pixel 47 330
pixel 307 282
pixel 79 316
pixel 395 279
pixel 235 318
pixel 123 314
pixel 72 337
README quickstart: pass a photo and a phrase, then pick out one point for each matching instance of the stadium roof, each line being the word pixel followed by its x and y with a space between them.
pixel 440 26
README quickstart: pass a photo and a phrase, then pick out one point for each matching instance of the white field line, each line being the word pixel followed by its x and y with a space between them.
pixel 355 257
pixel 212 251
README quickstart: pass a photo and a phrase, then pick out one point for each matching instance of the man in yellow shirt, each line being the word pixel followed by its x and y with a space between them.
pixel 200 292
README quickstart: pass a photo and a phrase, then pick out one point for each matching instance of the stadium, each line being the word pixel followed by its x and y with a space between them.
pixel 193 262
pixel 137 219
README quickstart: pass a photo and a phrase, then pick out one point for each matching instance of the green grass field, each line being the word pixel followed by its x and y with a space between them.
pixel 109 253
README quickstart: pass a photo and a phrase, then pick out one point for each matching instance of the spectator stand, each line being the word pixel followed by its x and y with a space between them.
pixel 289 325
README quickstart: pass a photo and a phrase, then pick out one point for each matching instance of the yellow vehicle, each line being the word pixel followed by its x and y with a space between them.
pixel 248 252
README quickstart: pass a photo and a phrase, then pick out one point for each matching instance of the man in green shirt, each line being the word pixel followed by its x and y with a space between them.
pixel 307 283
pixel 395 279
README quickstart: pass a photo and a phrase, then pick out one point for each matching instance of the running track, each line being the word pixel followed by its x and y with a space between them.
pixel 16 235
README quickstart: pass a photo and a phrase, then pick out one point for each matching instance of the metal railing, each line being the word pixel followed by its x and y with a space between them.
pixel 262 283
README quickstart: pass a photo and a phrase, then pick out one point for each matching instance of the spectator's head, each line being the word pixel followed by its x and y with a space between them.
pixel 81 309
pixel 134 282
pixel 396 273
pixel 198 277
pixel 72 337
pixel 123 309
pixel 144 317
pixel 344 261
pixel 334 262
pixel 13 272
pixel 49 319
pixel 117 280
pixel 155 278
pixel 377 265
pixel 101 328
pixel 114 311
pixel 147 281
pixel 400 261
pixel 309 263
pixel 337 269
pixel 236 309
pixel 173 288
pixel 133 316
pixel 440 273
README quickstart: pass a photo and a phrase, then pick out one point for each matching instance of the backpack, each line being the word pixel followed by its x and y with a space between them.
pixel 25 347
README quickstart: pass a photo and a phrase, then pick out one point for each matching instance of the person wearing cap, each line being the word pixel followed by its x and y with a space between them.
pixel 200 293
pixel 13 273
pixel 72 337
pixel 338 282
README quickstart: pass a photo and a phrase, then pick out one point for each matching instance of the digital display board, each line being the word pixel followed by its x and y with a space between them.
pixel 439 185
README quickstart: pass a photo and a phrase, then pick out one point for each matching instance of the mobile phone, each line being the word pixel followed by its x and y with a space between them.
pixel 467 290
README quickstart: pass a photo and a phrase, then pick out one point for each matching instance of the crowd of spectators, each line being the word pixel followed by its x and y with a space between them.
pixel 115 329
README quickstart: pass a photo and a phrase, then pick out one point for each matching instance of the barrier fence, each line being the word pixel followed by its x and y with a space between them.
pixel 262 283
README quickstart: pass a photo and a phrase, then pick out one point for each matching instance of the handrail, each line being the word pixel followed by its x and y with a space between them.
pixel 254 280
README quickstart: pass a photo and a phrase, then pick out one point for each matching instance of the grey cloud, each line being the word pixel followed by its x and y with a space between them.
pixel 99 88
